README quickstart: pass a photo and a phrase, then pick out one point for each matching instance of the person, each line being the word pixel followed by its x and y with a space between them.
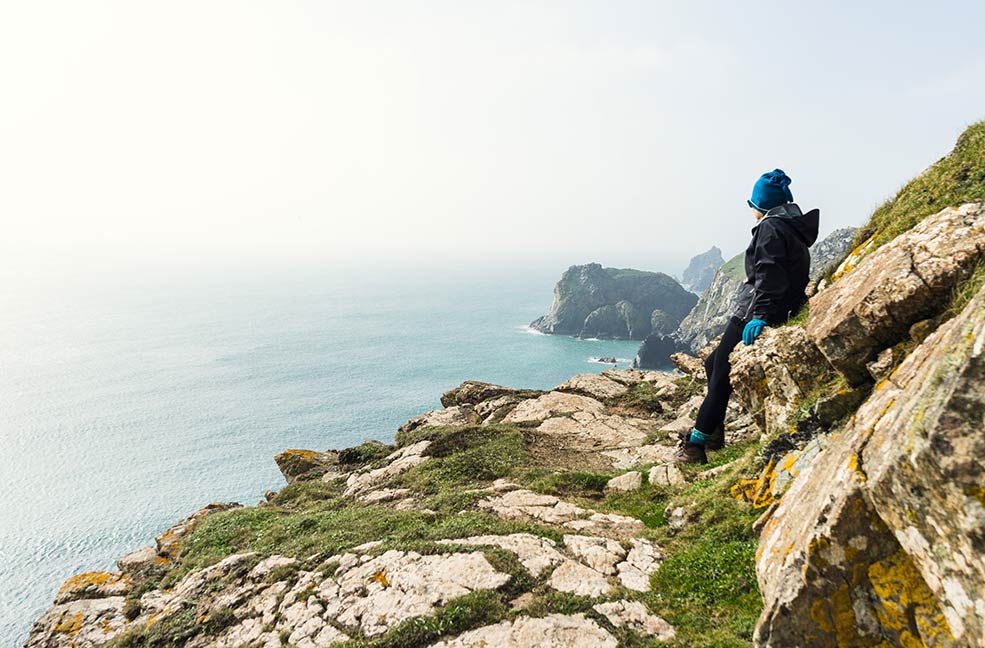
pixel 777 265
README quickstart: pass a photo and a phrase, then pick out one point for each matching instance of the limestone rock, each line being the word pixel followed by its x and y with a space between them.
pixel 623 458
pixel 689 365
pixel 83 623
pixel 592 385
pixel 667 474
pixel 141 561
pixel 553 404
pixel 380 593
pixel 534 553
pixel 881 366
pixel 525 504
pixel 93 585
pixel 601 554
pixel 294 464
pixel 879 538
pixel 772 377
pixel 581 421
pixel 454 415
pixel 643 559
pixel 397 463
pixel 625 482
pixel 635 616
pixel 575 578
pixel 871 307
pixel 553 631
pixel 473 392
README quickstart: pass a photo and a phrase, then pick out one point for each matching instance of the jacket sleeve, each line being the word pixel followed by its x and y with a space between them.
pixel 771 280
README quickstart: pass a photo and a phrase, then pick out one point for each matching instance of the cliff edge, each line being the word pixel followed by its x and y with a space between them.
pixel 846 509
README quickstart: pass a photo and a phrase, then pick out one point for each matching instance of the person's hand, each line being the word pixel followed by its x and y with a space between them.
pixel 752 331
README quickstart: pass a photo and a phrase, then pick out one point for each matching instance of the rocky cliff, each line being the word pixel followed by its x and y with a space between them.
pixel 846 509
pixel 592 301
pixel 701 270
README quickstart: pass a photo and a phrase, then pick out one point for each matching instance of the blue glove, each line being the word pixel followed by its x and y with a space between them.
pixel 752 331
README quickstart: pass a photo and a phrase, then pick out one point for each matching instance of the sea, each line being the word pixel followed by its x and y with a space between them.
pixel 127 403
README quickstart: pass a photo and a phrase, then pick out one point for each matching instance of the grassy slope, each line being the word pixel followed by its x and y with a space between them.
pixel 955 179
pixel 706 589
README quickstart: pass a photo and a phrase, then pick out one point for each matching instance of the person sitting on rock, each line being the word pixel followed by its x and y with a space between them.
pixel 777 265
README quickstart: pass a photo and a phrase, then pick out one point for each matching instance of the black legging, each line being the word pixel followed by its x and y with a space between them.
pixel 712 411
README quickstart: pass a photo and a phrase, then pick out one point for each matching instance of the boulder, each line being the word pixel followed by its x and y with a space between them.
pixel 772 377
pixel 295 464
pixel 880 538
pixel 871 306
pixel 625 482
pixel 689 365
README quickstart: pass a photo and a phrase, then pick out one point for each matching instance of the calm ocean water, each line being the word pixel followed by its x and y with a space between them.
pixel 123 409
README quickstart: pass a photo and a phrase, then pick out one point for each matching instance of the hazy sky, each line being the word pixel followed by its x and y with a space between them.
pixel 180 133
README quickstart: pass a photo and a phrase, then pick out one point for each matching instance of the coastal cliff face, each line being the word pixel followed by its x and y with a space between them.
pixel 846 509
pixel 592 301
pixel 701 270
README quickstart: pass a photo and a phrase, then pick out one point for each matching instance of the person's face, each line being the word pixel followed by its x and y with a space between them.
pixel 756 213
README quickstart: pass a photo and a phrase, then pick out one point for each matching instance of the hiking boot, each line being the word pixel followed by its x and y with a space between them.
pixel 716 441
pixel 688 452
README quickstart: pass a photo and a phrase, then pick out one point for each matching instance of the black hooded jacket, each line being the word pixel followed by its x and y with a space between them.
pixel 778 263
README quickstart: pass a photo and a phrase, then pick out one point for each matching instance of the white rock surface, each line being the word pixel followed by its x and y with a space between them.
pixel 534 553
pixel 525 504
pixel 634 615
pixel 601 554
pixel 593 385
pixel 625 482
pixel 551 631
pixel 666 475
pixel 575 578
pixel 397 463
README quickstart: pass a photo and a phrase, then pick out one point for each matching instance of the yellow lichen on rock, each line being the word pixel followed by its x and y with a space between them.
pixel 906 604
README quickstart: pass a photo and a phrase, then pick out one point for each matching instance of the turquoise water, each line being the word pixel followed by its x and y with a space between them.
pixel 125 408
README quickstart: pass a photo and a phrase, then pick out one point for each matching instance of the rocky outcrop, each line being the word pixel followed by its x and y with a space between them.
pixel 872 306
pixel 701 270
pixel 880 538
pixel 592 301
pixel 773 377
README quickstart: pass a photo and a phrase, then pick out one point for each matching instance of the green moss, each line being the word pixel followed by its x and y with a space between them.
pixel 953 180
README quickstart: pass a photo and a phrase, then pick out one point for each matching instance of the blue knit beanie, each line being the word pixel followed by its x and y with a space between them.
pixel 771 190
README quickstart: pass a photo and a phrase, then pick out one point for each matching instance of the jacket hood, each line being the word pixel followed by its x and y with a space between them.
pixel 804 225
